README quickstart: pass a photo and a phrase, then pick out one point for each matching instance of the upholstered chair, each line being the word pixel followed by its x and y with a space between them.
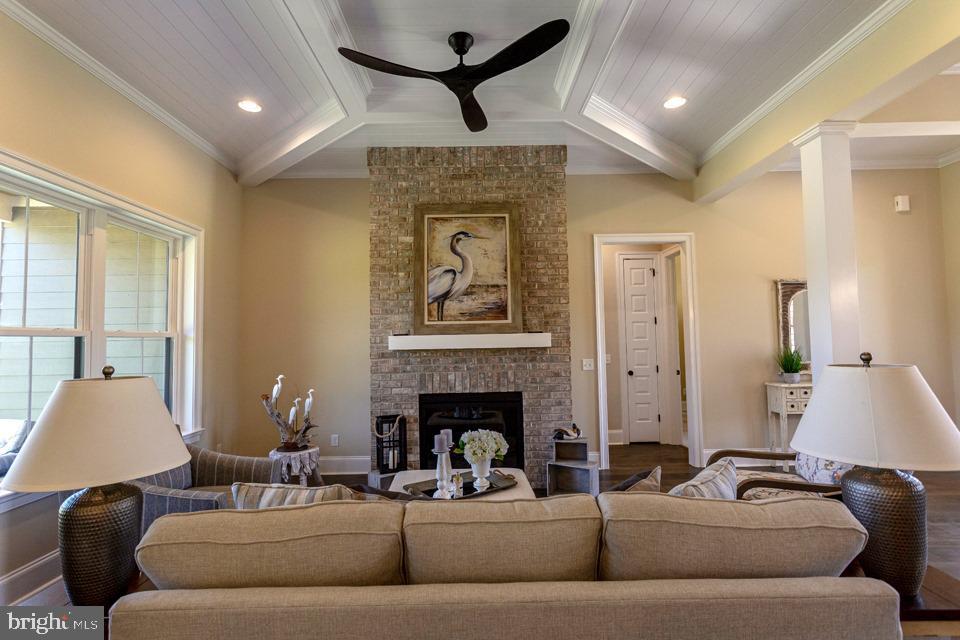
pixel 201 484
pixel 811 476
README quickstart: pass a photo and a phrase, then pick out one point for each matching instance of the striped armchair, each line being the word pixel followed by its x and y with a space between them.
pixel 201 484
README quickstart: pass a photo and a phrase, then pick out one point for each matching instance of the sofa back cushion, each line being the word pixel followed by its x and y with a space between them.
pixel 176 478
pixel 648 536
pixel 551 539
pixel 328 544
pixel 253 495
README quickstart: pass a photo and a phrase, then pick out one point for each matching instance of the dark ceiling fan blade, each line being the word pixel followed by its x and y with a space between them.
pixel 473 115
pixel 530 46
pixel 384 66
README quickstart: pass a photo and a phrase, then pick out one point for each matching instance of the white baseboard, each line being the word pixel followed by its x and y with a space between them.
pixel 334 465
pixel 745 462
pixel 30 578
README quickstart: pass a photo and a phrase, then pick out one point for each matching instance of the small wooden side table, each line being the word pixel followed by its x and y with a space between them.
pixel 784 400
pixel 304 464
pixel 935 612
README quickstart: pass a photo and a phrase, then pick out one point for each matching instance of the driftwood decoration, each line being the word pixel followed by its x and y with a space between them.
pixel 293 434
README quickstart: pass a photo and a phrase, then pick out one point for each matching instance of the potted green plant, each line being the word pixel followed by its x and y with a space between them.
pixel 790 362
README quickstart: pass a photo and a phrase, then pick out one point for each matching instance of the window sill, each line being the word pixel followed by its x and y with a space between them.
pixel 10 500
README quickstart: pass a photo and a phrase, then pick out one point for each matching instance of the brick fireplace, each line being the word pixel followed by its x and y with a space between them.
pixel 532 176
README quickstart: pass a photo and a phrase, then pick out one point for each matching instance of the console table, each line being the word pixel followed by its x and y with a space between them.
pixel 784 399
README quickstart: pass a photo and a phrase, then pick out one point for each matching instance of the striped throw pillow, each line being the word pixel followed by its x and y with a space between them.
pixel 718 481
pixel 249 495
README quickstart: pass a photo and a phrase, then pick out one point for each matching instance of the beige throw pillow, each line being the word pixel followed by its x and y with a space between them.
pixel 650 483
pixel 718 481
pixel 251 495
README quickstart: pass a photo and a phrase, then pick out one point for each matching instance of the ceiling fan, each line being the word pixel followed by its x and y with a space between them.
pixel 464 78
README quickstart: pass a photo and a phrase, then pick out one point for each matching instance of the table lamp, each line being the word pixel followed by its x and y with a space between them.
pixel 886 420
pixel 97 433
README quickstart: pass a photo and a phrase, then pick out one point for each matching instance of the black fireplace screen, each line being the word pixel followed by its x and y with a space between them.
pixel 462 412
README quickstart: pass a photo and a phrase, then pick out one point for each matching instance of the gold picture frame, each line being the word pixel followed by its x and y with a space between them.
pixel 467 268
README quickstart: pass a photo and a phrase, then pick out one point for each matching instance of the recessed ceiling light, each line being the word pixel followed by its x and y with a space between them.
pixel 249 105
pixel 674 102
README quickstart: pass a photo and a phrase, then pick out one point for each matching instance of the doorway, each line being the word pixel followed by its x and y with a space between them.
pixel 648 388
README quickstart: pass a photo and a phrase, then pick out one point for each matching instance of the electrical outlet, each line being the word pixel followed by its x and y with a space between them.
pixel 588 364
pixel 608 359
pixel 334 439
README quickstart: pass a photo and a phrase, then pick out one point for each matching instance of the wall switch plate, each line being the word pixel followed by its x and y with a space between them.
pixel 608 359
pixel 588 364
pixel 334 439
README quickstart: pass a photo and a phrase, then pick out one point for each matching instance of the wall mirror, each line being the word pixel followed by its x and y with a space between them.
pixel 793 318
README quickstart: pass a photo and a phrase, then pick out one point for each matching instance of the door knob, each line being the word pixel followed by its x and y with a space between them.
pixel 630 372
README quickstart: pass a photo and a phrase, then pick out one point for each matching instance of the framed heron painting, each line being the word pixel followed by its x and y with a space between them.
pixel 467 275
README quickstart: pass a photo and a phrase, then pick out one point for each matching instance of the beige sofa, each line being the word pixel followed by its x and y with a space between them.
pixel 621 566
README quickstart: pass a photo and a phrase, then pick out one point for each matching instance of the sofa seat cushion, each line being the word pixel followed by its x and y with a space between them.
pixel 516 541
pixel 769 493
pixel 251 495
pixel 328 544
pixel 650 536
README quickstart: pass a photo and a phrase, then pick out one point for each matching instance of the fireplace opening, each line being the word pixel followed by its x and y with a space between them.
pixel 462 412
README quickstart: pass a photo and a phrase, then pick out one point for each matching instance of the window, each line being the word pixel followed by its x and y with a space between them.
pixel 84 284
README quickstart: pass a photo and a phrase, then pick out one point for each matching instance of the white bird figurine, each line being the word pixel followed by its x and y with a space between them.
pixel 277 388
pixel 293 412
pixel 308 406
pixel 445 282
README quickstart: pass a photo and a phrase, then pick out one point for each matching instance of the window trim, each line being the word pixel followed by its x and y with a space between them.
pixel 96 206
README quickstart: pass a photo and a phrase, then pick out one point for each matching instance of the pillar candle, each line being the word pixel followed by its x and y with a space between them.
pixel 448 435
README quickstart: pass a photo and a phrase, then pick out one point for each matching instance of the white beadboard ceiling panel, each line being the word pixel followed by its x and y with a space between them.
pixel 725 56
pixel 197 58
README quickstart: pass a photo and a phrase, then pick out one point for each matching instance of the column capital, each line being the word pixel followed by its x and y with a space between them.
pixel 825 128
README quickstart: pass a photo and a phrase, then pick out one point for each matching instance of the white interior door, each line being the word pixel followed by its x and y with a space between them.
pixel 640 349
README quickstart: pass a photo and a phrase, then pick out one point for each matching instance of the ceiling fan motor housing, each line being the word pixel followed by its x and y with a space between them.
pixel 460 42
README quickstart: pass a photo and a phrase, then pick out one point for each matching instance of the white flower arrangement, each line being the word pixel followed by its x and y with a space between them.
pixel 477 446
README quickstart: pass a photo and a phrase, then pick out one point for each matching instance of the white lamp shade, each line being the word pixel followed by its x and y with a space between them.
pixel 94 432
pixel 883 416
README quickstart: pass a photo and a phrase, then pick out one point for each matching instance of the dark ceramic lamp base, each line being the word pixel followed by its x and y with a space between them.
pixel 892 506
pixel 99 530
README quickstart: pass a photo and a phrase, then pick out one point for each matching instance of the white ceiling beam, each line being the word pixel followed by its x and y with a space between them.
pixel 303 139
pixel 906 129
pixel 578 79
pixel 575 48
pixel 608 124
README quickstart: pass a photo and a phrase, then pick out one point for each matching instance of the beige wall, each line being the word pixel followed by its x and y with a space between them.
pixel 936 99
pixel 57 114
pixel 306 309
pixel 950 202
pixel 743 243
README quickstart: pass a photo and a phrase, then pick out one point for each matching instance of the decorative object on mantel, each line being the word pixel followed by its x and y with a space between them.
pixel 479 448
pixel 467 268
pixel 567 434
pixel 884 419
pixel 293 436
pixel 302 463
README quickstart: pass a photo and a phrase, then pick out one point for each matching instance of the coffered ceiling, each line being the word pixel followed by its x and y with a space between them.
pixel 601 91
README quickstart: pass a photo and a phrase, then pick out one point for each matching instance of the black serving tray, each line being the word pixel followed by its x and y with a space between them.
pixel 498 482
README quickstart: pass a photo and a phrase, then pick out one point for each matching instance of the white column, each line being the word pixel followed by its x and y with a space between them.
pixel 830 244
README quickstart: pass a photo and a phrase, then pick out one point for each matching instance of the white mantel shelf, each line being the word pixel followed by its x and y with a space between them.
pixel 471 341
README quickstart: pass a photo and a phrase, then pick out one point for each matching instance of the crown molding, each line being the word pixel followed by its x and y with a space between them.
pixel 855 36
pixel 578 42
pixel 827 128
pixel 948 158
pixel 343 37
pixel 54 38
pixel 793 165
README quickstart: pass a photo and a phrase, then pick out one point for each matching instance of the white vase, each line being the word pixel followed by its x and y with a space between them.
pixel 481 469
pixel 790 378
